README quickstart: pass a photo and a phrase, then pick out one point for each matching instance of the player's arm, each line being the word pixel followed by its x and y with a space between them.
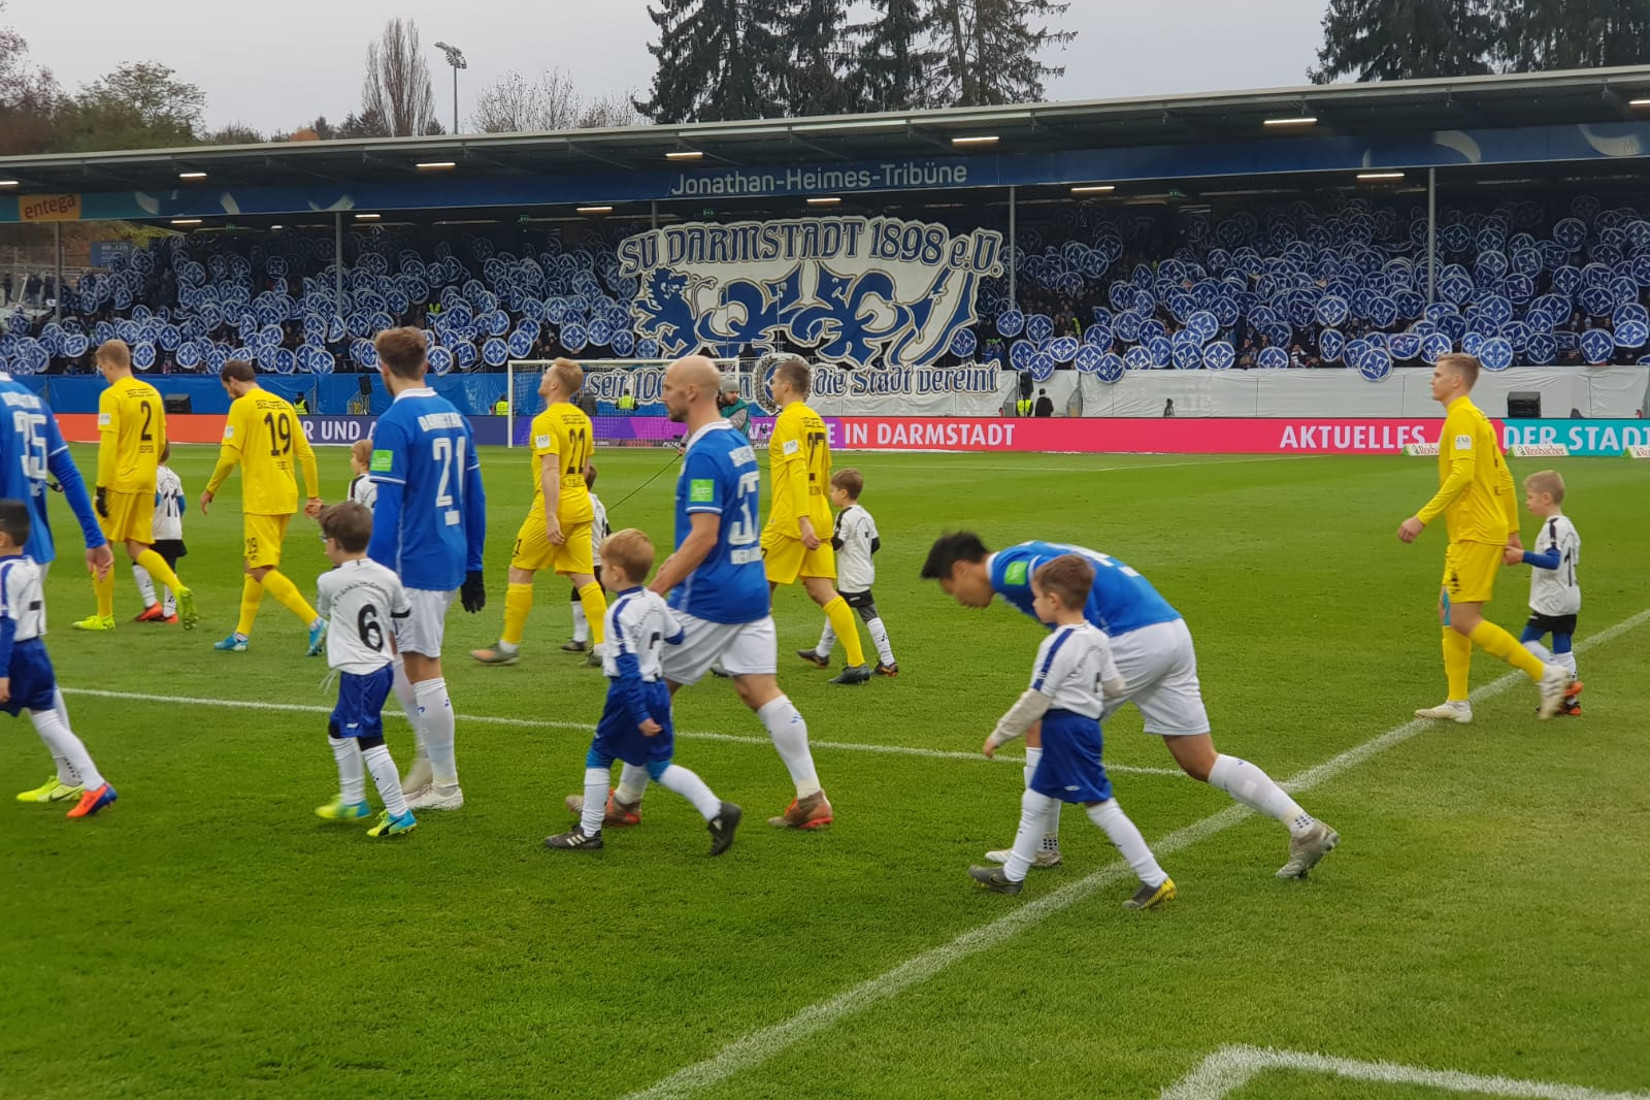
pixel 629 682
pixel 229 453
pixel 312 472
pixel 674 632
pixel 108 441
pixel 323 597
pixel 473 594
pixel 550 481
pixel 61 465
pixel 388 468
pixel 1509 503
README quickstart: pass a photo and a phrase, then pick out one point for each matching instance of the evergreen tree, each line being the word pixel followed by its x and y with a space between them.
pixel 990 49
pixel 1573 34
pixel 811 81
pixel 1405 39
pixel 894 61
pixel 717 60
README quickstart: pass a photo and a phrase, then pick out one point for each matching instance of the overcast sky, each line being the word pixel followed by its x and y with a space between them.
pixel 278 63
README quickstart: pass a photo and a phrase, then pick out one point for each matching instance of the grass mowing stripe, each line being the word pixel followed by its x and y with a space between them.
pixel 760 1045
pixel 1231 1068
pixel 535 723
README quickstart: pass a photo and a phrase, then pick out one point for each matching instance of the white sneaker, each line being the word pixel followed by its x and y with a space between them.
pixel 434 797
pixel 1555 681
pixel 1044 858
pixel 1456 710
pixel 418 777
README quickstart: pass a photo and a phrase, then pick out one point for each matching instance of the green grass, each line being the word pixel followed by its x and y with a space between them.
pixel 208 937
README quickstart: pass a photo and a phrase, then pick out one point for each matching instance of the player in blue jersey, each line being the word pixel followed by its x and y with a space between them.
pixel 718 590
pixel 428 525
pixel 31 448
pixel 1154 654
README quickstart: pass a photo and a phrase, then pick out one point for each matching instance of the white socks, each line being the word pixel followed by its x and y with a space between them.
pixel 145 584
pixel 632 785
pixel 1110 817
pixel 66 774
pixel 61 742
pixel 691 787
pixel 435 714
pixel 1256 790
pixel 386 778
pixel 790 737
pixel 1034 809
pixel 595 798
pixel 408 698
pixel 1051 821
pixel 827 640
pixel 1565 661
pixel 581 625
pixel 352 784
pixel 879 636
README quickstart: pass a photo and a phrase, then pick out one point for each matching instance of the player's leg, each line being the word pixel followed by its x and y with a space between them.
pixel 138 525
pixel 1477 565
pixel 146 591
pixel 114 524
pixel 1155 885
pixel 581 626
pixel 66 784
pixel 818 572
pixel 351 803
pixel 573 560
pixel 60 740
pixel 418 777
pixel 750 653
pixel 1457 650
pixel 265 562
pixel 532 553
pixel 172 551
pixel 419 637
pixel 867 608
pixel 397 818
pixel 1010 878
pixel 820 654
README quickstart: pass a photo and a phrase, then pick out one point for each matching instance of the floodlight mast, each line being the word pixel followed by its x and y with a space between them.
pixel 455 58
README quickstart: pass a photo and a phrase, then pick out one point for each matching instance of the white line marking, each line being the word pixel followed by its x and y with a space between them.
pixel 1230 1068
pixel 964 470
pixel 534 723
pixel 758 1046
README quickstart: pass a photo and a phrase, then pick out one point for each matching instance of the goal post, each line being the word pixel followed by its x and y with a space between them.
pixel 625 394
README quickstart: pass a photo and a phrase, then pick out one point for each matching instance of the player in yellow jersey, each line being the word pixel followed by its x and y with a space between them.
pixel 131 426
pixel 263 436
pixel 797 540
pixel 1480 511
pixel 556 533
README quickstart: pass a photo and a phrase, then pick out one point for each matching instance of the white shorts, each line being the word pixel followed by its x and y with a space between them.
pixel 1160 665
pixel 421 632
pixel 745 649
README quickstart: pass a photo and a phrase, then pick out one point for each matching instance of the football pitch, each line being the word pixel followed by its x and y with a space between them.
pixel 1480 930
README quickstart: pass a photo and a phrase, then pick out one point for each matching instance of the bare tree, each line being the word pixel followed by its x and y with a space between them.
pixel 397 87
pixel 516 105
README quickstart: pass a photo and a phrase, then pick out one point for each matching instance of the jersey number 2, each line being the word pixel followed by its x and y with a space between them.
pixel 447 453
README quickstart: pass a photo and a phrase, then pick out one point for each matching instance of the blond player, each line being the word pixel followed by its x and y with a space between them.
pixel 556 533
pixel 1475 497
pixel 799 453
pixel 263 436
pixel 131 425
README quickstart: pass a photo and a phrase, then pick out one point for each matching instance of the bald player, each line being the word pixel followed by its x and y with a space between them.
pixel 717 588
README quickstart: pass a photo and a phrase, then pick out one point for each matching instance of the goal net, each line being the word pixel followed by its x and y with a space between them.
pixel 620 395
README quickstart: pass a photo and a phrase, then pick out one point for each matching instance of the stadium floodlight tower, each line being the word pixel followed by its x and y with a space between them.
pixel 455 58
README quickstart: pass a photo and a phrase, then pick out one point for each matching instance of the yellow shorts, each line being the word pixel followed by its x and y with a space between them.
pixel 264 536
pixel 1469 571
pixel 785 558
pixel 131 517
pixel 534 550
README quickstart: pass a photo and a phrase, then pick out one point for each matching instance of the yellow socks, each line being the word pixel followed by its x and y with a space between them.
pixel 841 618
pixel 158 569
pixel 1493 640
pixel 518 601
pixel 105 591
pixel 252 594
pixel 277 585
pixel 595 610
pixel 1457 663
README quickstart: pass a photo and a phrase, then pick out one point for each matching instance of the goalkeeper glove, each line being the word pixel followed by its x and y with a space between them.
pixel 474 592
pixel 102 502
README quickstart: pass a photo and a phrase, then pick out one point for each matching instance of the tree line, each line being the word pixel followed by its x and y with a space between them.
pixel 1412 39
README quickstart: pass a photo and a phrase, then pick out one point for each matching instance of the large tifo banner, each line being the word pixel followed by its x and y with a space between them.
pixel 862 291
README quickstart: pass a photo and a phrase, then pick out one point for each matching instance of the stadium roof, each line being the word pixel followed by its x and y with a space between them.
pixel 1400 107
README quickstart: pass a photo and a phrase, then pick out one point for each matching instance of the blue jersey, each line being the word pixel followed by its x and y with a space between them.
pixel 31 446
pixel 430 519
pixel 720 477
pixel 1120 601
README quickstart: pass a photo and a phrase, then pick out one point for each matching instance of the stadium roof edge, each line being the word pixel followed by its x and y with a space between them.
pixel 1595 95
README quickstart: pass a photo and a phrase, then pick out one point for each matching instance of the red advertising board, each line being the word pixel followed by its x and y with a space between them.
pixel 1131 435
